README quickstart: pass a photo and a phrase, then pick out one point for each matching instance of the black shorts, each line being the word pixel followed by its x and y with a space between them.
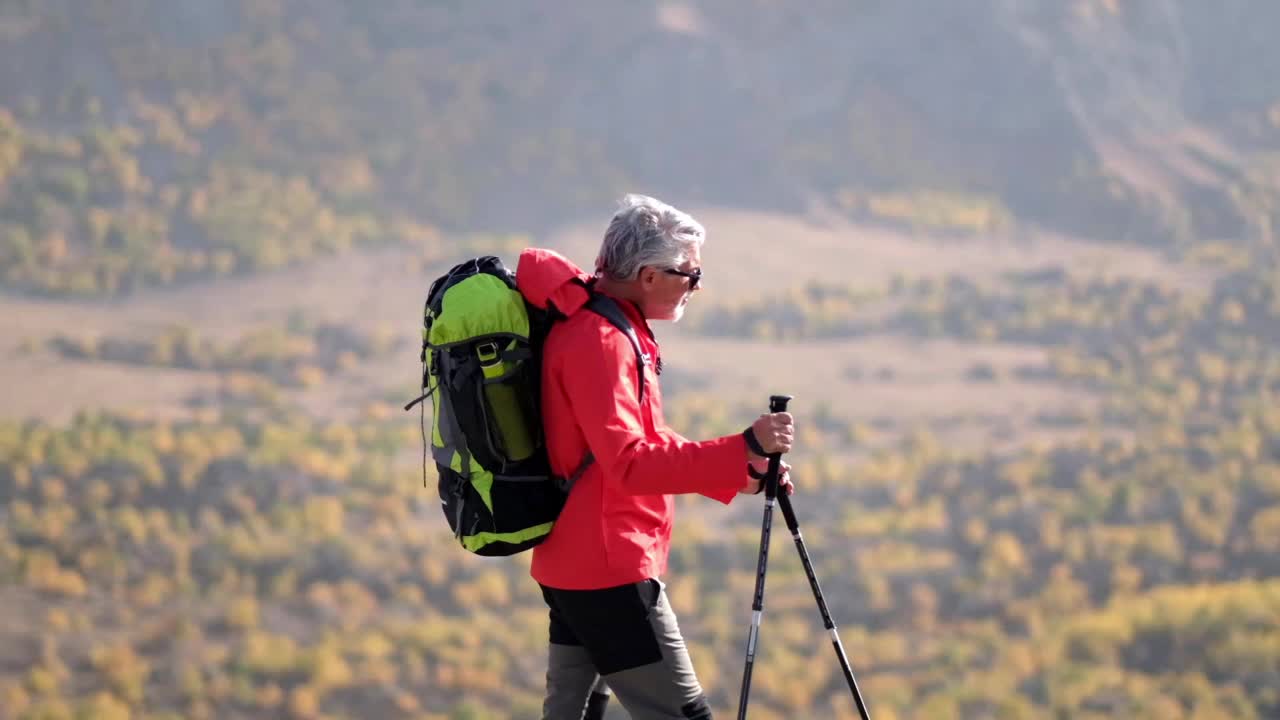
pixel 629 636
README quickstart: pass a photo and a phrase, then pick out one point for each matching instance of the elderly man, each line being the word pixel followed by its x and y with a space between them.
pixel 600 568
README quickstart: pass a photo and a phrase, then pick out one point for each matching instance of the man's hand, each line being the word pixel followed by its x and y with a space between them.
pixel 761 465
pixel 775 432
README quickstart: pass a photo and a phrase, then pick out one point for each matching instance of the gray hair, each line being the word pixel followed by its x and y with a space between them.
pixel 643 232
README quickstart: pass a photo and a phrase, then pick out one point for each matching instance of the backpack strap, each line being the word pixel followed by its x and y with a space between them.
pixel 566 484
pixel 607 308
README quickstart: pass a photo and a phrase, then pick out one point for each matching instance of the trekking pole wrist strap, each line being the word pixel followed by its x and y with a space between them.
pixel 753 443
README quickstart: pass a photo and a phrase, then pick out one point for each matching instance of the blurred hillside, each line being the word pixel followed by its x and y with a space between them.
pixel 245 134
pixel 1017 260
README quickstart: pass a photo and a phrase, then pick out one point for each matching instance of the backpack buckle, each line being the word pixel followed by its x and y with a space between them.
pixel 487 351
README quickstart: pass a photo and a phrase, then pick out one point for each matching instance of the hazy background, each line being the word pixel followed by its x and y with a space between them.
pixel 1016 260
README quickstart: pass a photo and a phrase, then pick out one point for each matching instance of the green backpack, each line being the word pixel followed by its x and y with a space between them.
pixel 481 347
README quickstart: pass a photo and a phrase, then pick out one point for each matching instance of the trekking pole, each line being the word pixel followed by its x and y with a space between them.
pixel 790 516
pixel 777 404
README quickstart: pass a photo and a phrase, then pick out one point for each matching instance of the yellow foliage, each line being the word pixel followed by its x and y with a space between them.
pixel 304 703
pixel 105 706
pixel 269 653
pixel 14 698
pixel 53 489
pixel 21 476
pixel 269 696
pixel 378 411
pixel 42 681
pixel 154 590
pixel 44 573
pixel 22 512
pixel 53 248
pixel 322 595
pixel 328 668
pixel 324 515
pixel 1213 368
pixel 131 521
pixel 54 521
pixel 1233 312
pixel 490 590
pixel 375 645
pixel 684 597
pixel 58 619
pixel 1264 529
pixel 199 111
pixel 434 569
pixel 1125 579
pixel 1003 555
pixel 50 709
pixel 309 375
pixel 242 612
pixel 406 702
pixel 938 210
pixel 125 672
pixel 191 682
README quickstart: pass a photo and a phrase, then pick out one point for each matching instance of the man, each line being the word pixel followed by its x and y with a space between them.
pixel 600 568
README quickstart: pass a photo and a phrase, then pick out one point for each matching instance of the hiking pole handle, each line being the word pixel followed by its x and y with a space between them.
pixel 777 404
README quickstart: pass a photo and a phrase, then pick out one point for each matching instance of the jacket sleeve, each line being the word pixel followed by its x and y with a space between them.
pixel 722 494
pixel 599 377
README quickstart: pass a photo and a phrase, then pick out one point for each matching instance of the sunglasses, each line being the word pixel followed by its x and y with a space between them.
pixel 694 277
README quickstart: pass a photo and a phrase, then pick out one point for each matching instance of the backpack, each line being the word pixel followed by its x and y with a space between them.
pixel 481 367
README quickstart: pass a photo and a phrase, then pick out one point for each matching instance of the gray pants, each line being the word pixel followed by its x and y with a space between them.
pixel 624 637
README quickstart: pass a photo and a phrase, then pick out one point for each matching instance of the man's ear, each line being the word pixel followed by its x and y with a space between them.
pixel 648 276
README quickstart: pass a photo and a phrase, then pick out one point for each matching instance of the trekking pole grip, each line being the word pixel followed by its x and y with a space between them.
pixel 777 404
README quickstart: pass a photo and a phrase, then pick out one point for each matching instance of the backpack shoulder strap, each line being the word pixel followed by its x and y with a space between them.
pixel 607 308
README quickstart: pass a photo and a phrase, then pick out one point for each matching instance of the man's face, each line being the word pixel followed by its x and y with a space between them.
pixel 666 293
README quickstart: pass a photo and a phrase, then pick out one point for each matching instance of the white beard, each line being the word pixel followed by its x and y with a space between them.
pixel 679 311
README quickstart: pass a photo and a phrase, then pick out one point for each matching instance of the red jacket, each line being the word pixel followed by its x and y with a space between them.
pixel 616 525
